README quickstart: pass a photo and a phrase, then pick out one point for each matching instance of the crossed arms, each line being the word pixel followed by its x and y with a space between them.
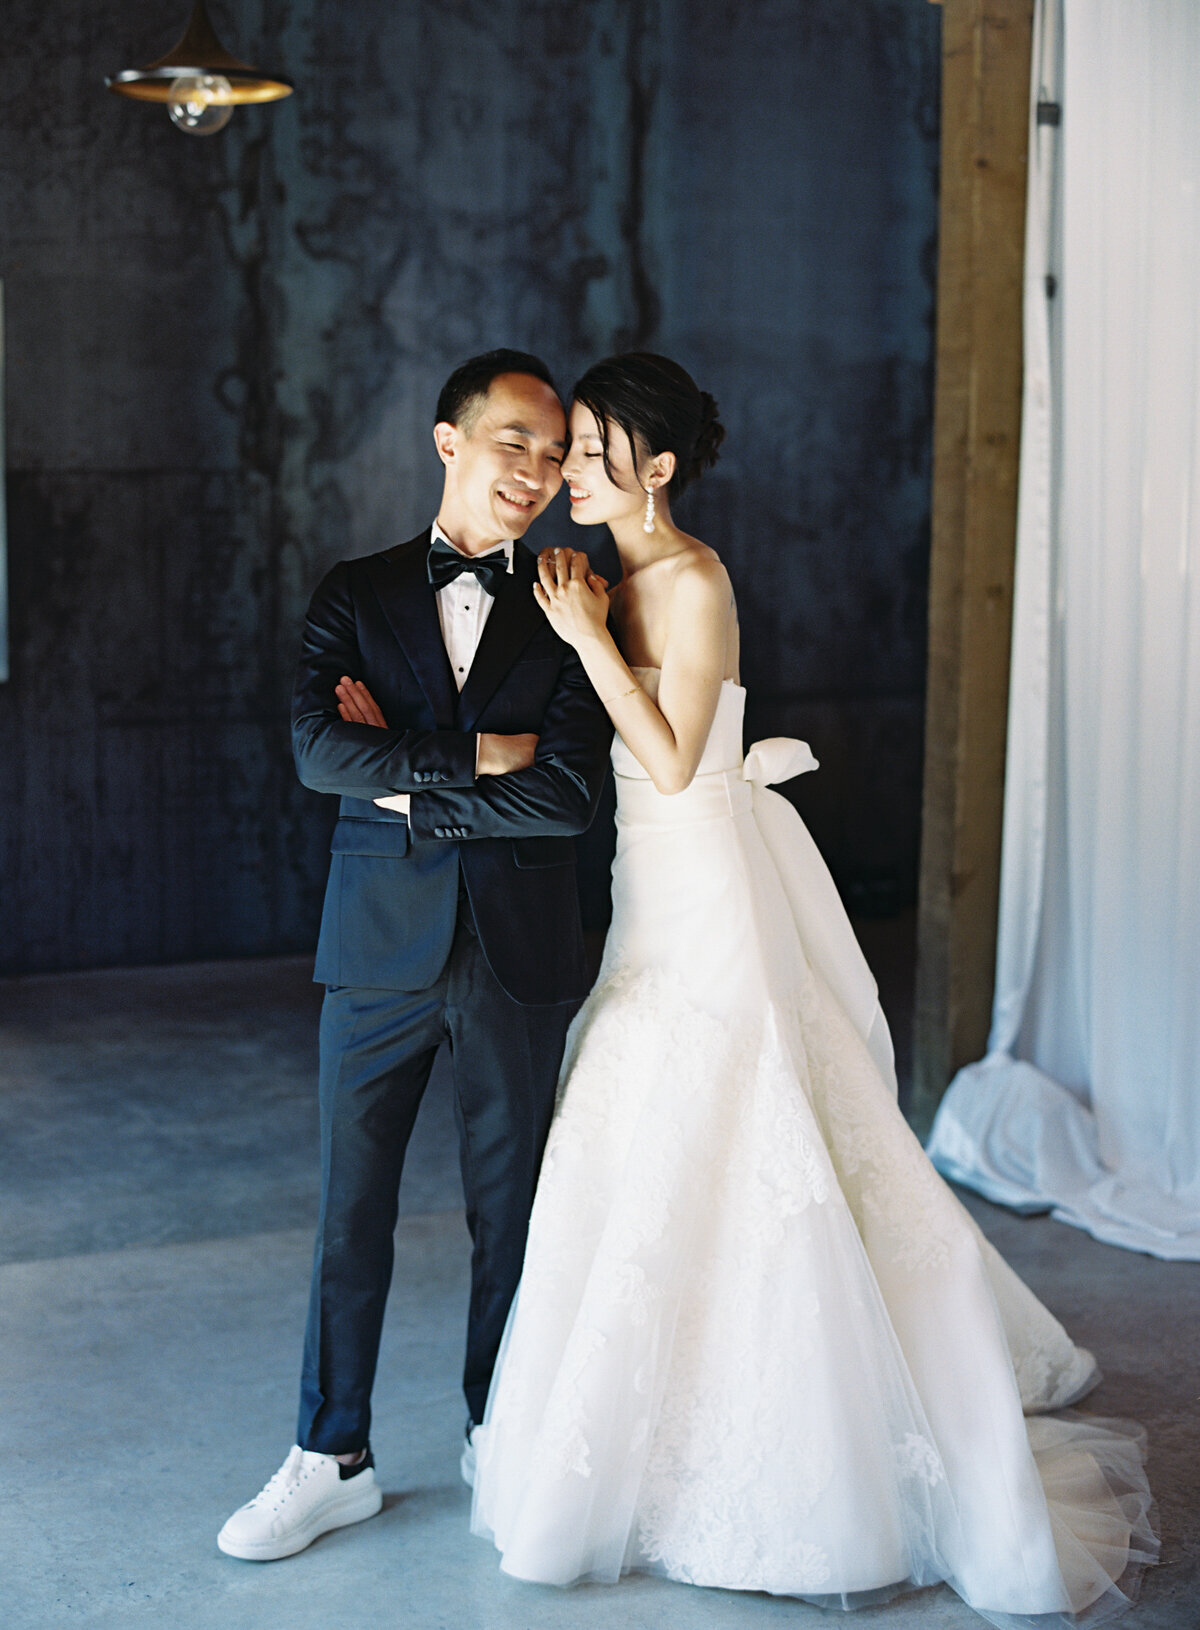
pixel 553 795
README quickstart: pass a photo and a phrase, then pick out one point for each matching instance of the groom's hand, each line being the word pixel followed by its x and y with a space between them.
pixel 356 704
pixel 500 755
pixel 497 755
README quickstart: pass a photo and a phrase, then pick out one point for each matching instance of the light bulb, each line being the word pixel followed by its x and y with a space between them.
pixel 201 104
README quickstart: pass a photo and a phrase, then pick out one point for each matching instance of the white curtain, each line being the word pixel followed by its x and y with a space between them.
pixel 1088 1103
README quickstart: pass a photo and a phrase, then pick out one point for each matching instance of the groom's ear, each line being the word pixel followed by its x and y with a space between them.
pixel 445 439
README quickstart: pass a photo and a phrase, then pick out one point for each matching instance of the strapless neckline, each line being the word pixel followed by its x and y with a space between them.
pixel 723 749
pixel 653 668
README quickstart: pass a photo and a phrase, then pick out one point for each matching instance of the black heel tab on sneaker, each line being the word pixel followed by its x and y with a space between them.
pixel 347 1472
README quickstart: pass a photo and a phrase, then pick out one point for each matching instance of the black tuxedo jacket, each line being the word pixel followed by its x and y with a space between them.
pixel 392 897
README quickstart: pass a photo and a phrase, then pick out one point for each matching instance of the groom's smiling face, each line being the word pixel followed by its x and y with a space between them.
pixel 503 461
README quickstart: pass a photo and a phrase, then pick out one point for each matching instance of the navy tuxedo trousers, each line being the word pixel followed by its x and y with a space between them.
pixel 377 1051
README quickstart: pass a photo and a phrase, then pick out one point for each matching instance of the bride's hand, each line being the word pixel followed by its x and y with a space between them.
pixel 573 596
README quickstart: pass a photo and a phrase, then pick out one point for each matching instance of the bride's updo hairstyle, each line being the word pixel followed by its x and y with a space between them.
pixel 659 407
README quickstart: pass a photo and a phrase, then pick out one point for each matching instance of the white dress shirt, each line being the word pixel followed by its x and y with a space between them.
pixel 463 607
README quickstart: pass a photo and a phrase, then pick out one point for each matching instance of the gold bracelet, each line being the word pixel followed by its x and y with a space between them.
pixel 607 701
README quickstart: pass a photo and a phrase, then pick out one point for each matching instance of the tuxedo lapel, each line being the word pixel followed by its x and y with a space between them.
pixel 511 624
pixel 402 585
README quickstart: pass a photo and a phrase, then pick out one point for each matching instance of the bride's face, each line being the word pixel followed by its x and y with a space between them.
pixel 596 497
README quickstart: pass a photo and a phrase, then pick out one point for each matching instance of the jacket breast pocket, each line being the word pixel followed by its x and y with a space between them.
pixel 533 852
pixel 386 840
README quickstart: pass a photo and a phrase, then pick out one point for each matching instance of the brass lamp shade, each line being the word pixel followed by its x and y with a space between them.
pixel 198 53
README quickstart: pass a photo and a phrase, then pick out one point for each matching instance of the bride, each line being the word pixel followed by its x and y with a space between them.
pixel 758 1343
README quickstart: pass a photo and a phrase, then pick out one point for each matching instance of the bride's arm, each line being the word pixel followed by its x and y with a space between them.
pixel 668 739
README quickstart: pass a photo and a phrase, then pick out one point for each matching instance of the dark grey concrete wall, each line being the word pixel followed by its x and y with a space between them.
pixel 223 355
pixel 798 151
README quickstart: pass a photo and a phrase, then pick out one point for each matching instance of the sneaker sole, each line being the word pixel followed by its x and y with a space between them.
pixel 341 1515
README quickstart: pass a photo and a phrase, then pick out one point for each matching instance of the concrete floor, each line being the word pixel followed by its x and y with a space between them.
pixel 157 1167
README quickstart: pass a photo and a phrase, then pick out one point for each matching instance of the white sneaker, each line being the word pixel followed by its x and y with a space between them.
pixel 466 1464
pixel 307 1496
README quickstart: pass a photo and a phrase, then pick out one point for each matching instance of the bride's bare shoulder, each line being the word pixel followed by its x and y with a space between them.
pixel 700 570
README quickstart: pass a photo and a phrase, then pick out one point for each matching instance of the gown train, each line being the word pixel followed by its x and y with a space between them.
pixel 758 1342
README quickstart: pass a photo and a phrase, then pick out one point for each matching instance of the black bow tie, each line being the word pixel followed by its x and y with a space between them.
pixel 445 564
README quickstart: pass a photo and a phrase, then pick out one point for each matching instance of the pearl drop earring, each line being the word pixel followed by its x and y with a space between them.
pixel 648 523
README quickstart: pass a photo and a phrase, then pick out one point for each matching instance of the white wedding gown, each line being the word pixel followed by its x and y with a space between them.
pixel 758 1343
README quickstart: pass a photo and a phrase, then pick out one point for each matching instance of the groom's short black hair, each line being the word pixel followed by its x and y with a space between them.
pixel 463 394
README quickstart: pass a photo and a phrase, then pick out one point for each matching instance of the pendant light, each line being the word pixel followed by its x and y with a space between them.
pixel 198 80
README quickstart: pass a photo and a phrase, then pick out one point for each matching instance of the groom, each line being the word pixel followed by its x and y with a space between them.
pixel 468 749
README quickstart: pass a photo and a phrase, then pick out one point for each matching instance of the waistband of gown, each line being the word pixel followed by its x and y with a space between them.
pixel 713 795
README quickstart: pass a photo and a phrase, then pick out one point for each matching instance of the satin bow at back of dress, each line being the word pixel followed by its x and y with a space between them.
pixel 775 759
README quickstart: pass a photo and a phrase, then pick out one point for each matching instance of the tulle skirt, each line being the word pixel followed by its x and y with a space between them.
pixel 758 1343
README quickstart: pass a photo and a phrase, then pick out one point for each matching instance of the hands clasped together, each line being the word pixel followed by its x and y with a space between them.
pixel 573 596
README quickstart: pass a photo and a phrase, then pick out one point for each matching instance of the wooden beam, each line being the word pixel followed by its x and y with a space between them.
pixel 986 47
